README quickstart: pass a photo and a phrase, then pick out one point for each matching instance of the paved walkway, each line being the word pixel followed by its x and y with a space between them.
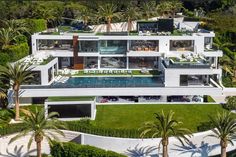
pixel 201 146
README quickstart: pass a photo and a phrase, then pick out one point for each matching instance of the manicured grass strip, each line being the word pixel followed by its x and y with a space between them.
pixel 210 99
pixel 133 116
pixel 83 98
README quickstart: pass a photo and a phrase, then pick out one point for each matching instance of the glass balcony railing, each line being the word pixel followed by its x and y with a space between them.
pixel 186 65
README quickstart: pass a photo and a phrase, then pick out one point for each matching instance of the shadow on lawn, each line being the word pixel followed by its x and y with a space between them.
pixel 142 151
pixel 203 150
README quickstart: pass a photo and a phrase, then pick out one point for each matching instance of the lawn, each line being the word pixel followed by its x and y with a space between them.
pixel 81 98
pixel 133 116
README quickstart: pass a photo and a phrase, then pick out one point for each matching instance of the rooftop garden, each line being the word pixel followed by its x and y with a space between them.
pixel 46 61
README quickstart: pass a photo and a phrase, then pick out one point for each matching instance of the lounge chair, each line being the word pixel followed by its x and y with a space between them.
pixel 85 71
pixel 110 71
pixel 122 71
pixel 129 72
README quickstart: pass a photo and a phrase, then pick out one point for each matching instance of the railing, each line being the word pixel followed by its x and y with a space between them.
pixel 186 65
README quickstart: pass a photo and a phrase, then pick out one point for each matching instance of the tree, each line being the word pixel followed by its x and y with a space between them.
pixel 18 27
pixel 108 11
pixel 85 14
pixel 18 73
pixel 148 9
pixel 7 37
pixel 225 62
pixel 131 13
pixel 230 103
pixel 170 7
pixel 41 127
pixel 224 129
pixel 165 126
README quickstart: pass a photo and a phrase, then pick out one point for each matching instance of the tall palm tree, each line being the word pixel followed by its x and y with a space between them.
pixel 41 127
pixel 18 73
pixel 148 9
pixel 165 126
pixel 108 11
pixel 224 129
pixel 131 13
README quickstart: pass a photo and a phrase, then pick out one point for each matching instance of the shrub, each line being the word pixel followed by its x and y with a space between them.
pixel 86 127
pixel 230 103
pixel 17 52
pixel 4 58
pixel 71 149
pixel 204 126
pixel 21 39
pixel 36 25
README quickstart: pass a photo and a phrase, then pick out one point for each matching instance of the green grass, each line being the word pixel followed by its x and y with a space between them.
pixel 133 116
pixel 210 99
pixel 84 98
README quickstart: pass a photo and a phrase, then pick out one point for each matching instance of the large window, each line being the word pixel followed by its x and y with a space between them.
pixel 181 45
pixel 88 46
pixel 65 62
pixel 55 45
pixel 113 62
pixel 144 45
pixel 90 62
pixel 143 62
pixel 113 46
pixel 194 80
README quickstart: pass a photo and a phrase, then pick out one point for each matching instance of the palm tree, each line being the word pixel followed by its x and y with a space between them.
pixel 41 127
pixel 169 7
pixel 18 27
pixel 149 9
pixel 7 36
pixel 108 12
pixel 226 62
pixel 85 14
pixel 131 13
pixel 165 126
pixel 18 73
pixel 224 129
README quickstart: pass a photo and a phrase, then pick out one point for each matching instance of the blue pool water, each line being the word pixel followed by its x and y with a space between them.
pixel 110 82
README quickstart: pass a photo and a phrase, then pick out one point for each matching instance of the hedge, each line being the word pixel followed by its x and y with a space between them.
pixel 86 127
pixel 17 52
pixel 70 149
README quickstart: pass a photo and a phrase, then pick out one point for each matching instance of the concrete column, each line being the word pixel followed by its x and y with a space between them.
pixel 99 62
pixel 127 62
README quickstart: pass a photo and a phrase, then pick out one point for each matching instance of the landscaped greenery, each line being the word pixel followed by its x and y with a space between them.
pixel 84 98
pixel 70 149
pixel 133 116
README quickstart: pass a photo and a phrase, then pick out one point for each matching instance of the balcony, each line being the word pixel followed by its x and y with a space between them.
pixel 196 63
pixel 55 45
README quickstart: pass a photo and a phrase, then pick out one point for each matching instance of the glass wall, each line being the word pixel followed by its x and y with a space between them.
pixel 90 62
pixel 65 62
pixel 113 46
pixel 143 62
pixel 113 62
pixel 37 78
pixel 50 74
pixel 193 80
pixel 144 45
pixel 88 46
pixel 55 45
pixel 182 45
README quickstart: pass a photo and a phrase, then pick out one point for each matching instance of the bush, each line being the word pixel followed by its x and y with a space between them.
pixel 17 52
pixel 4 58
pixel 86 127
pixel 71 149
pixel 230 103
pixel 36 25
pixel 21 39
pixel 204 126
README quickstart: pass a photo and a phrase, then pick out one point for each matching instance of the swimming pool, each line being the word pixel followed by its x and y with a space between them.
pixel 109 82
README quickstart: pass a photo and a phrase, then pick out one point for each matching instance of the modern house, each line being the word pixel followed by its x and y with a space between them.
pixel 172 64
